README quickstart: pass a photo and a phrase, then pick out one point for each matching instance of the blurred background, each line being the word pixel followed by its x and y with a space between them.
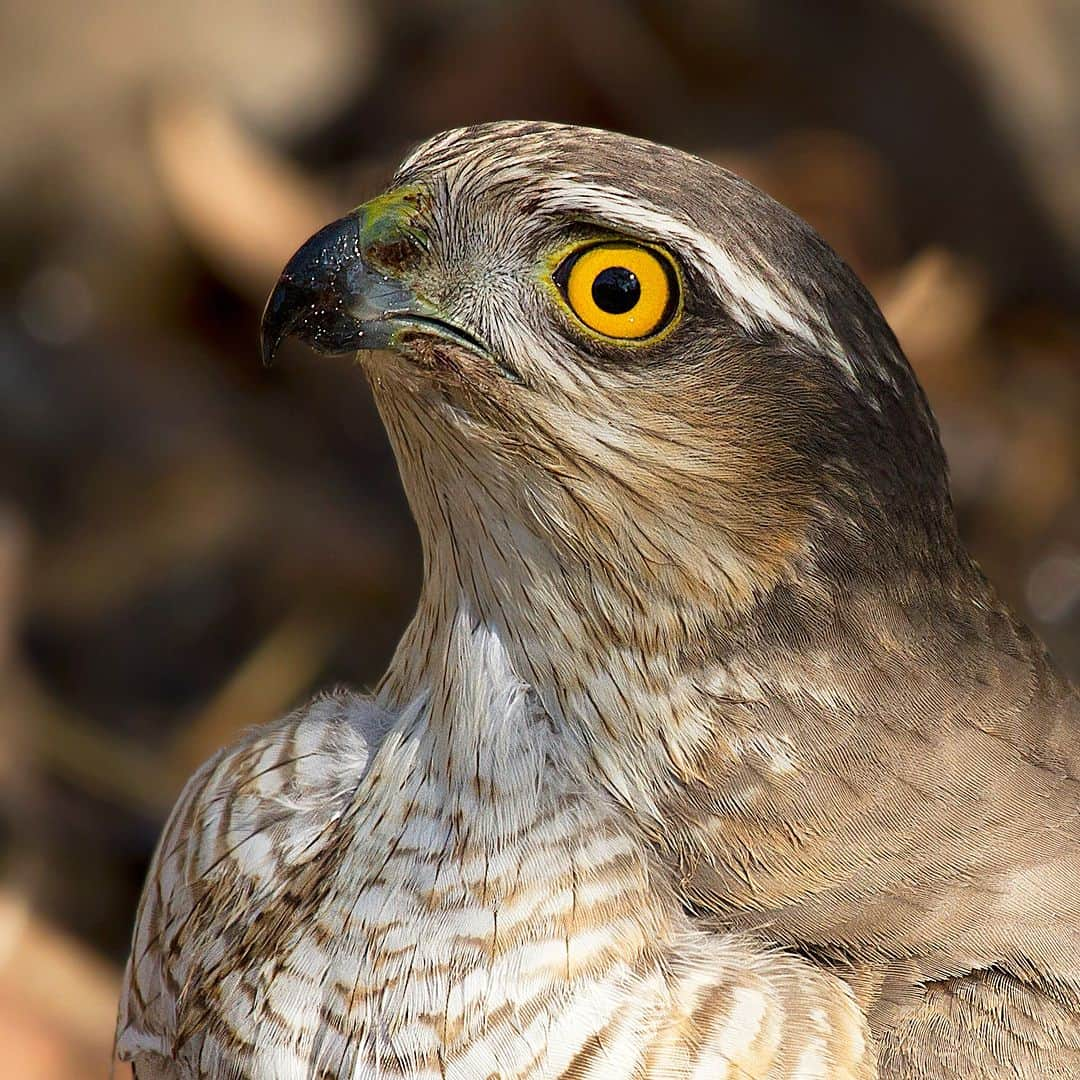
pixel 190 544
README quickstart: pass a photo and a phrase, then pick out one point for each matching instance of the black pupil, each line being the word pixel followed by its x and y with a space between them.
pixel 616 290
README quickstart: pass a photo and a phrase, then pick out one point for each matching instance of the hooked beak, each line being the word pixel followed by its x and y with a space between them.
pixel 334 299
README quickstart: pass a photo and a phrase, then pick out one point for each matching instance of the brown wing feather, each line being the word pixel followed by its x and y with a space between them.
pixel 921 826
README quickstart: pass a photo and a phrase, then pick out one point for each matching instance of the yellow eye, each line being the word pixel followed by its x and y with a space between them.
pixel 620 290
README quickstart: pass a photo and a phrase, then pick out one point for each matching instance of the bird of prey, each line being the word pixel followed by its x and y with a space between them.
pixel 709 751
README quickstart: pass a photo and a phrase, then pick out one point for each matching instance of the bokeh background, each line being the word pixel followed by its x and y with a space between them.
pixel 190 544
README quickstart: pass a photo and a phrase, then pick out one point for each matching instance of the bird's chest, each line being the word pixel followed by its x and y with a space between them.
pixel 441 943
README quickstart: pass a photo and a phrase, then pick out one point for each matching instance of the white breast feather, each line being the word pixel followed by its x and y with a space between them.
pixel 348 893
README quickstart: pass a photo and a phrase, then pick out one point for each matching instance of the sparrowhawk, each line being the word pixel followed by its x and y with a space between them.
pixel 709 751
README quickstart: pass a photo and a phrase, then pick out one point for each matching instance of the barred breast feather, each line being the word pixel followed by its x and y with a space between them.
pixel 342 895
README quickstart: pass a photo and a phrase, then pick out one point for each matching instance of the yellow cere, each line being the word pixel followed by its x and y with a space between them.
pixel 621 290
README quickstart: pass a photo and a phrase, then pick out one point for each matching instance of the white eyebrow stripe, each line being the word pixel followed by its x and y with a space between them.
pixel 751 300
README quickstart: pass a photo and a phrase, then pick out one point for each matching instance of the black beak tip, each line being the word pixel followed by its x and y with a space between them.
pixel 309 297
pixel 280 317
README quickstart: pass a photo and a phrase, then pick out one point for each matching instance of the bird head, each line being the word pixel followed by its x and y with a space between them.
pixel 617 376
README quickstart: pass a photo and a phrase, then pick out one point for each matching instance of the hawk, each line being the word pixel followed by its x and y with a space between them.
pixel 708 753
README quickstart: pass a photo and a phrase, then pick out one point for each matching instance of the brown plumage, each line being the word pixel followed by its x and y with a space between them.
pixel 693 589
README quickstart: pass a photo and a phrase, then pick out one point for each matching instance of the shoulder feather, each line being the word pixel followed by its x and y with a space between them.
pixel 249 819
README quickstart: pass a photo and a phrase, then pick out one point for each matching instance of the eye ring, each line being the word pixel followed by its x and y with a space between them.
pixel 619 289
